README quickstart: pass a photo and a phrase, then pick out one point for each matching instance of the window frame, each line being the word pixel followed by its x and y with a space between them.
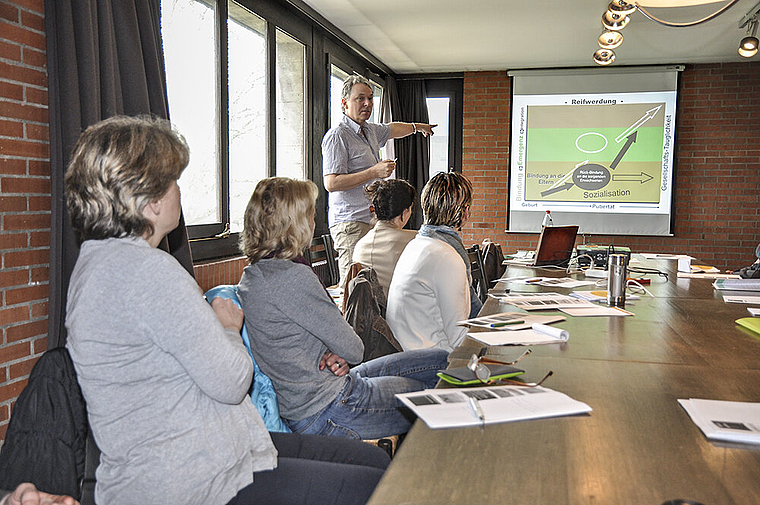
pixel 323 44
pixel 214 240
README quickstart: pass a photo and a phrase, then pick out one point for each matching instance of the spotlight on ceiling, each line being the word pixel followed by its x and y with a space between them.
pixel 610 39
pixel 614 21
pixel 604 56
pixel 748 45
pixel 621 7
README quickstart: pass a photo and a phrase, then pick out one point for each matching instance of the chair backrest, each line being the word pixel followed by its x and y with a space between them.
pixel 323 259
pixel 493 262
pixel 317 256
pixel 332 259
pixel 479 281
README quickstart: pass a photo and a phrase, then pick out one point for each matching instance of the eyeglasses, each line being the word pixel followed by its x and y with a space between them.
pixel 482 372
pixel 513 382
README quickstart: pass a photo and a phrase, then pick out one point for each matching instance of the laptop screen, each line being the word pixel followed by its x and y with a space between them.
pixel 555 245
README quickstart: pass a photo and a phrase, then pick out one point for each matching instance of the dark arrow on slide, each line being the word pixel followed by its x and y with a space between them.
pixel 629 140
pixel 563 187
pixel 640 177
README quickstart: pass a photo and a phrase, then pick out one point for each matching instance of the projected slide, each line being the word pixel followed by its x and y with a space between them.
pixel 594 153
pixel 602 160
pixel 604 153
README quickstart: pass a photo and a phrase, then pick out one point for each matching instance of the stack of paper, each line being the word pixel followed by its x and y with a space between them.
pixel 451 408
pixel 540 301
pixel 510 320
pixel 728 421
pixel 737 284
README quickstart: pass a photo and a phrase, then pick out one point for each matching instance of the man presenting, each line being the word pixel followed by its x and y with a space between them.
pixel 351 160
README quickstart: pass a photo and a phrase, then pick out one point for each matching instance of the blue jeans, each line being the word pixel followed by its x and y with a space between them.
pixel 366 407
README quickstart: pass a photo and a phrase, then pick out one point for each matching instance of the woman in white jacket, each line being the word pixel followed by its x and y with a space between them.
pixel 430 289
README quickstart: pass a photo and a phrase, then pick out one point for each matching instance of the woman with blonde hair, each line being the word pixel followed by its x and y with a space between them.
pixel 391 201
pixel 299 337
pixel 430 290
pixel 164 374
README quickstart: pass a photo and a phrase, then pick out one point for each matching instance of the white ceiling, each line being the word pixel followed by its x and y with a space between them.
pixel 412 36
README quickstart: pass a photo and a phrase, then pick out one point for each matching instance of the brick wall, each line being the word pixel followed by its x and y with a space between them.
pixel 717 165
pixel 24 196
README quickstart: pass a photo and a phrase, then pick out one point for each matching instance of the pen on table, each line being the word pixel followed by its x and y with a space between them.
pixel 531 281
pixel 506 323
pixel 477 410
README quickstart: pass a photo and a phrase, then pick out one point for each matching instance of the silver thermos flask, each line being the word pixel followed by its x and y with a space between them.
pixel 616 281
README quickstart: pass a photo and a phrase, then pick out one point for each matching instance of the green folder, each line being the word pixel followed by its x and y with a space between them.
pixel 751 323
pixel 463 376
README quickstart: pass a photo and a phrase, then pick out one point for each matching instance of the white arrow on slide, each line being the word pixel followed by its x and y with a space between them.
pixel 635 126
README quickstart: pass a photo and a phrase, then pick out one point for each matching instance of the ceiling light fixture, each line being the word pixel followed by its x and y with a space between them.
pixel 604 56
pixel 748 45
pixel 610 39
pixel 616 17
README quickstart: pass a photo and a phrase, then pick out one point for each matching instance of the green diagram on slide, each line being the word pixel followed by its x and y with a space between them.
pixel 594 153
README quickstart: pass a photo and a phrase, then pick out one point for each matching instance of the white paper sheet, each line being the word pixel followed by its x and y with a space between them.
pixel 722 420
pixel 742 299
pixel 596 310
pixel 564 282
pixel 651 256
pixel 537 334
pixel 450 408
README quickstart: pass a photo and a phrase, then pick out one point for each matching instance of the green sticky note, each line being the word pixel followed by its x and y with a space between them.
pixel 751 323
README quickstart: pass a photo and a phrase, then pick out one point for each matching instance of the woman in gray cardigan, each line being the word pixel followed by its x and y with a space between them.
pixel 299 337
pixel 164 374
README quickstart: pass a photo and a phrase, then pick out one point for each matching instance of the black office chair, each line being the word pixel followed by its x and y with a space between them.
pixel 321 255
pixel 332 259
pixel 479 281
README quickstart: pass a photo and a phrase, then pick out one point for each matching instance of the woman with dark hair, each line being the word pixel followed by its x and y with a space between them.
pixel 164 374
pixel 430 289
pixel 391 201
pixel 299 337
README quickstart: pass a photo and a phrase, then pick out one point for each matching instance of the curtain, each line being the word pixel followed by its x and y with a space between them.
pixel 413 152
pixel 105 58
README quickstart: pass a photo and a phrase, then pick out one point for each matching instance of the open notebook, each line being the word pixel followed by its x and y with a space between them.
pixel 555 246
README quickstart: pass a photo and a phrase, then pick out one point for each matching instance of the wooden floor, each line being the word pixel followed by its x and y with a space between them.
pixel 638 446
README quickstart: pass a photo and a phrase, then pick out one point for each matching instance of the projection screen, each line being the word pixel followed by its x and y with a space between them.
pixel 595 147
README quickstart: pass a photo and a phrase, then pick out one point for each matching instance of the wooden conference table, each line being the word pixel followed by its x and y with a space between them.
pixel 638 446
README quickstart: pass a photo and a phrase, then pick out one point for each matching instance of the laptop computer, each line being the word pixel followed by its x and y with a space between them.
pixel 555 247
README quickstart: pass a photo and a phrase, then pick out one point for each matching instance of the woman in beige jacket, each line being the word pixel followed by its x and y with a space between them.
pixel 391 201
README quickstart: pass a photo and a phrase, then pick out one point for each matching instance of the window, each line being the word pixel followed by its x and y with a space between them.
pixel 291 111
pixel 188 28
pixel 221 98
pixel 445 107
pixel 337 76
pixel 247 117
pixel 438 112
